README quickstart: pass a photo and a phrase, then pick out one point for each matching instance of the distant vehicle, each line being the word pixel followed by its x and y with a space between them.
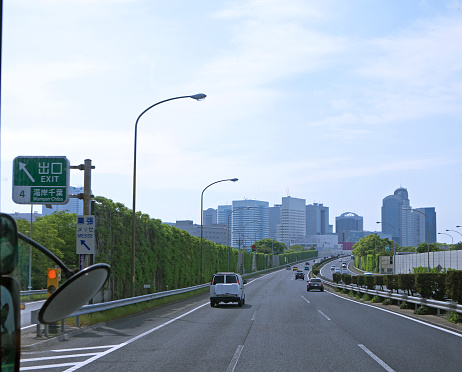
pixel 352 257
pixel 345 271
pixel 332 267
pixel 337 270
pixel 299 275
pixel 307 263
pixel 307 267
pixel 368 274
pixel 227 287
pixel 287 267
pixel 340 260
pixel 315 283
pixel 344 265
pixel 295 268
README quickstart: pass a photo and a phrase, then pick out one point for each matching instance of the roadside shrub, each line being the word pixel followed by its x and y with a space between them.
pixel 404 305
pixel 336 277
pixel 422 310
pixel 351 293
pixel 391 281
pixel 358 295
pixel 315 271
pixel 346 278
pixel 406 282
pixel 454 285
pixel 376 299
pixel 423 283
pixel 366 297
pixel 379 281
pixel 354 279
pixel 455 317
pixel 370 282
pixel 360 280
pixel 438 286
pixel 387 301
pixel 336 289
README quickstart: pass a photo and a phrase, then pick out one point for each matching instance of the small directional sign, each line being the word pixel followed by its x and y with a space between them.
pixel 86 234
pixel 41 180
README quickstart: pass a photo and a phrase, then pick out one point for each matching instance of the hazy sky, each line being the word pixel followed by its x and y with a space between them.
pixel 337 102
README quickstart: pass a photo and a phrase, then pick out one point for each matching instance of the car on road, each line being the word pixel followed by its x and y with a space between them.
pixel 333 267
pixel 299 275
pixel 295 268
pixel 337 270
pixel 315 283
pixel 307 268
pixel 345 271
pixel 287 267
pixel 368 274
pixel 227 287
pixel 344 265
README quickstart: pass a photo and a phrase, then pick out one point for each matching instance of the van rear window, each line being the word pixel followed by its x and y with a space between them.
pixel 218 279
pixel 231 279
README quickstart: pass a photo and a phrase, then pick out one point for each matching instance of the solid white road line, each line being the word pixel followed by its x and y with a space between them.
pixel 401 315
pixel 384 365
pixel 235 359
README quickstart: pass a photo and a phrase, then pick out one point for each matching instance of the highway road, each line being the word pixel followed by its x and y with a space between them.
pixel 282 327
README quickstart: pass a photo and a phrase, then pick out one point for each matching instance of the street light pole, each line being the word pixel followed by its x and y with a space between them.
pixel 197 97
pixel 449 248
pixel 394 245
pixel 202 212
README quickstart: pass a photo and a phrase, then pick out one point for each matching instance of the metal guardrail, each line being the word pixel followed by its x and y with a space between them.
pixel 33 292
pixel 439 305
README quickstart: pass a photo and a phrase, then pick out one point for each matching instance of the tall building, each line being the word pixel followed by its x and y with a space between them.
pixel 274 220
pixel 317 219
pixel 424 221
pixel 250 222
pixel 292 226
pixel 345 224
pixel 223 214
pixel 209 217
pixel 397 217
pixel 74 205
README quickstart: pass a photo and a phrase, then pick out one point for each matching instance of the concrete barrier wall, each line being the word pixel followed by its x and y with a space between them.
pixel 445 259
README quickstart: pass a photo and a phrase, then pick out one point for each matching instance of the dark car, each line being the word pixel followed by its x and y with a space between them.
pixel 299 275
pixel 315 283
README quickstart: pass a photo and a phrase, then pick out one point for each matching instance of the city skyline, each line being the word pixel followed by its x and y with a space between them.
pixel 334 102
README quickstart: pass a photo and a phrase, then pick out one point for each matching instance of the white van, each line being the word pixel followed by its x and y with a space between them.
pixel 227 287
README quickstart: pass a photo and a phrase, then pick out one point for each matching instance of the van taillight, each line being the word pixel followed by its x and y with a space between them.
pixel 211 282
pixel 238 281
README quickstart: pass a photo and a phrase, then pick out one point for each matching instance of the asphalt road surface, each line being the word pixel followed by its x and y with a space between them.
pixel 282 327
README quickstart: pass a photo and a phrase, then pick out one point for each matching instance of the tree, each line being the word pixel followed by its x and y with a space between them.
pixel 269 245
pixel 423 247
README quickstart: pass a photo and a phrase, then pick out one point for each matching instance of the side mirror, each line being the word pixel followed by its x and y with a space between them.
pixel 10 323
pixel 245 281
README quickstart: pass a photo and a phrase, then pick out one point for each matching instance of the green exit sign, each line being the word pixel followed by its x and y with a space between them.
pixel 41 180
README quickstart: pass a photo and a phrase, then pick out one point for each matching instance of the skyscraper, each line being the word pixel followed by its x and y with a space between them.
pixel 223 213
pixel 397 217
pixel 250 222
pixel 345 223
pixel 317 219
pixel 420 222
pixel 209 217
pixel 292 226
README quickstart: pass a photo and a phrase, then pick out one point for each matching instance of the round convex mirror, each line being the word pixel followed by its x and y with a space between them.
pixel 76 292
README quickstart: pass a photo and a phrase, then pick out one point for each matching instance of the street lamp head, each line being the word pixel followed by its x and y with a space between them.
pixel 234 179
pixel 198 96
pixel 378 222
